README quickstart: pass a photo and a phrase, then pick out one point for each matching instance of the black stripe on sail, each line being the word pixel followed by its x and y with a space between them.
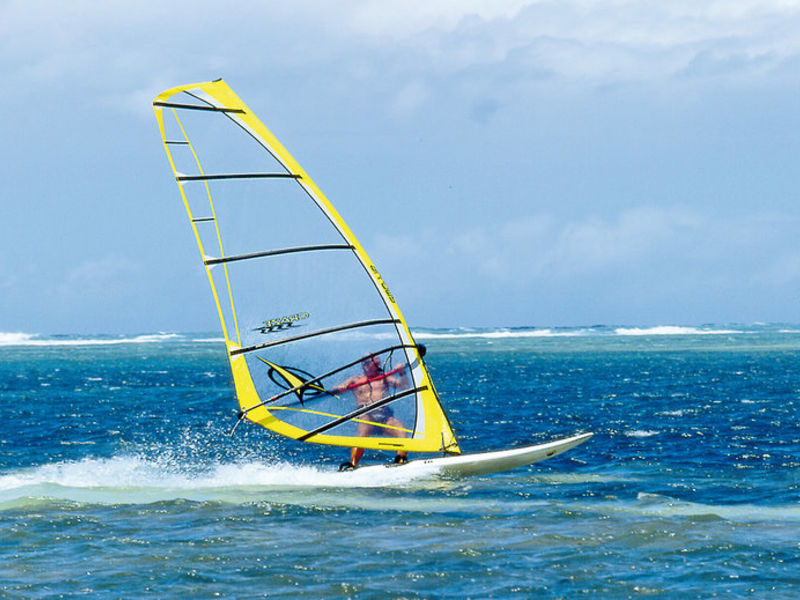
pixel 226 259
pixel 182 142
pixel 360 411
pixel 314 334
pixel 199 219
pixel 198 107
pixel 238 176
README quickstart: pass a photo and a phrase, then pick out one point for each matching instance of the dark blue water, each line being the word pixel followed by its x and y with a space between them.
pixel 118 475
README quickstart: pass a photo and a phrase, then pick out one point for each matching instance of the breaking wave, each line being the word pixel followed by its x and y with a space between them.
pixel 675 330
pixel 33 339
pixel 137 480
pixel 498 333
pixel 596 331
pixel 488 333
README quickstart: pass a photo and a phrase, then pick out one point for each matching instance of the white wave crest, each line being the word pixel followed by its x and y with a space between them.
pixel 641 433
pixel 136 480
pixel 14 339
pixel 664 505
pixel 660 505
pixel 672 330
pixel 28 339
pixel 499 334
pixel 505 333
pixel 672 413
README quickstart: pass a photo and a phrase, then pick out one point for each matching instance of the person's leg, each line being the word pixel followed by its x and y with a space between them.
pixel 355 455
pixel 402 455
pixel 364 429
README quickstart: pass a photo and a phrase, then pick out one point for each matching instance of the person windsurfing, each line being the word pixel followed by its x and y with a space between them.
pixel 369 388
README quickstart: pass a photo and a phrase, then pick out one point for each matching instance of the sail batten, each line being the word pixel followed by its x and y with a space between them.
pixel 360 411
pixel 220 176
pixel 214 261
pixel 221 109
pixel 294 316
pixel 311 382
pixel 304 336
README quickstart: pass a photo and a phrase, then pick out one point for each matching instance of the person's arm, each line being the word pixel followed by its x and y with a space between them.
pixel 345 385
pixel 398 380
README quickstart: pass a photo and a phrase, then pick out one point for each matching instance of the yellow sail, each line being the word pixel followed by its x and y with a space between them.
pixel 318 347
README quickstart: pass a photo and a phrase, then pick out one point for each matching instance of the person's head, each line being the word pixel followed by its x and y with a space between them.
pixel 371 366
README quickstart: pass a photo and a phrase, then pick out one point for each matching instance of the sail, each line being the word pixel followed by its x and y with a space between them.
pixel 318 347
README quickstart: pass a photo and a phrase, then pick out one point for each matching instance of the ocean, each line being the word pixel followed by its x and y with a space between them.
pixel 119 476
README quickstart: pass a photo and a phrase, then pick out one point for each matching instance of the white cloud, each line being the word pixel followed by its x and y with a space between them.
pixel 96 281
pixel 542 247
pixel 410 17
pixel 657 245
pixel 410 97
pixel 528 70
pixel 783 270
pixel 624 40
pixel 632 237
pixel 402 247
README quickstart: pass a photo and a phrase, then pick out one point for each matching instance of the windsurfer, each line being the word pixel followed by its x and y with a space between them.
pixel 369 388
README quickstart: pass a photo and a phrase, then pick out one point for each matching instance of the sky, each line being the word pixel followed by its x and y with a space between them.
pixel 516 163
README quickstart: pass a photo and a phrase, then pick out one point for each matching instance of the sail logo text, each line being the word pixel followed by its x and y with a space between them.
pixel 281 323
pixel 383 284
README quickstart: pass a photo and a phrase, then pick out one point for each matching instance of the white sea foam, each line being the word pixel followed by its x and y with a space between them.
pixel 28 339
pixel 578 478
pixel 641 433
pixel 672 413
pixel 505 333
pixel 660 505
pixel 132 479
pixel 664 505
pixel 672 330
pixel 499 334
pixel 14 339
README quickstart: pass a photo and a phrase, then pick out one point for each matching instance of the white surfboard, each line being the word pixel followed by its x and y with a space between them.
pixel 482 463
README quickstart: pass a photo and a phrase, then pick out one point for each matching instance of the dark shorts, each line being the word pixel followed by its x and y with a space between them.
pixel 379 415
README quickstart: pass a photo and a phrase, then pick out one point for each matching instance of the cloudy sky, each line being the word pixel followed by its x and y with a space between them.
pixel 524 162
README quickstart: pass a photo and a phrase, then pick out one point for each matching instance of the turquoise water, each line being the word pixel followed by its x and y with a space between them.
pixel 118 475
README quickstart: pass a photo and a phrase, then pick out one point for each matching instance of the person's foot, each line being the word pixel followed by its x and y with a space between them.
pixel 346 466
pixel 400 459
